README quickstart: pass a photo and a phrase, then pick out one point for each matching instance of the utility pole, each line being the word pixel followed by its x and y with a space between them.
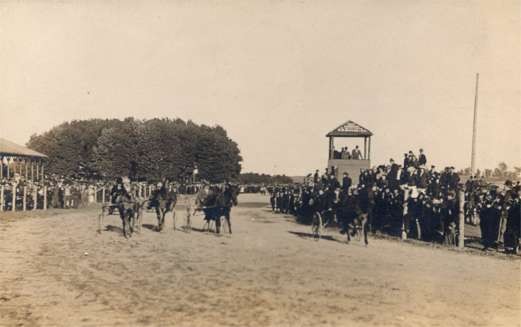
pixel 474 129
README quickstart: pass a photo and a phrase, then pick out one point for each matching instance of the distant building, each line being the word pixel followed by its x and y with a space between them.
pixel 20 160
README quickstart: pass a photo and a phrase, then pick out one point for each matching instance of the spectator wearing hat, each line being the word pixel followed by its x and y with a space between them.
pixel 512 232
pixel 405 160
pixel 346 182
pixel 422 159
pixel 356 154
pixel 345 153
pixel 316 177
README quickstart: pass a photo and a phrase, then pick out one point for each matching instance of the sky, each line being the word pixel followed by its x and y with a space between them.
pixel 277 75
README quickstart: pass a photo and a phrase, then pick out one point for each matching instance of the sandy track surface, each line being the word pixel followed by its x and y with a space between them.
pixel 55 270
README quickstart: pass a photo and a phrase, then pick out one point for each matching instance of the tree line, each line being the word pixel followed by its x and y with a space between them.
pixel 149 149
pixel 500 172
pixel 255 178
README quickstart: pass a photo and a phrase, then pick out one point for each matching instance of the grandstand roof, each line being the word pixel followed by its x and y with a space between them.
pixel 8 148
pixel 350 129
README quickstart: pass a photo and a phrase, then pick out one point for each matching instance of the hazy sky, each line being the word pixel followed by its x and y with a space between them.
pixel 278 75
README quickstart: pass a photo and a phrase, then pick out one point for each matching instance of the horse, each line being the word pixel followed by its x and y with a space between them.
pixel 130 212
pixel 163 201
pixel 217 203
pixel 358 227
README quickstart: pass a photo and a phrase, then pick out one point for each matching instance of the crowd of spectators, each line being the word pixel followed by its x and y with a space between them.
pixel 408 200
pixel 67 193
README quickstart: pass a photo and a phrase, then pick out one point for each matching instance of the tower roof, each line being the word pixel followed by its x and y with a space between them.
pixel 350 129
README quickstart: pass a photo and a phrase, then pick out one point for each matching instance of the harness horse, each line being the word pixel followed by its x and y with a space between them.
pixel 130 211
pixel 216 205
pixel 163 201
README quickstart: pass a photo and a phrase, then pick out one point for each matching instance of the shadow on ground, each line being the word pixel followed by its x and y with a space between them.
pixel 252 205
pixel 115 229
pixel 150 227
pixel 311 236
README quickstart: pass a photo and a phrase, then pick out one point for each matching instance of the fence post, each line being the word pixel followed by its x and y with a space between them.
pixel 461 237
pixel 13 197
pixel 35 197
pixel 404 213
pixel 45 198
pixel 25 199
pixel 1 198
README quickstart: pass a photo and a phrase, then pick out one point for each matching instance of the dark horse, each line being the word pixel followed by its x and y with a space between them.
pixel 129 210
pixel 216 203
pixel 163 201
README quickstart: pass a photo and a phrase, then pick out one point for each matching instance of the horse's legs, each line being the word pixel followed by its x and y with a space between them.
pixel 218 225
pixel 316 224
pixel 100 219
pixel 365 229
pixel 123 216
pixel 159 222
pixel 124 220
pixel 188 223
pixel 138 219
pixel 163 215
pixel 130 218
pixel 228 220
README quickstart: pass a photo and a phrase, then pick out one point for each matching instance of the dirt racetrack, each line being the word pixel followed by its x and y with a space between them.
pixel 55 270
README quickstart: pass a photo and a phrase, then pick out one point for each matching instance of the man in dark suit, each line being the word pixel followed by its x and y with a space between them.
pixel 422 159
pixel 405 161
pixel 333 183
pixel 453 179
pixel 412 161
pixel 394 179
pixel 316 177
pixel 346 182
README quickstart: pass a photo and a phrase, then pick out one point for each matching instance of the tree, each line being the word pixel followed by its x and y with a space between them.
pixel 118 148
pixel 255 178
pixel 503 168
pixel 141 149
pixel 70 145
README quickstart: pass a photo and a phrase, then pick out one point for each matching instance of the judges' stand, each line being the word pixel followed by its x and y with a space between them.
pixel 353 167
pixel 350 166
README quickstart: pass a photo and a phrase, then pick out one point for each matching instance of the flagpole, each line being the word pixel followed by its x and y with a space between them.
pixel 474 129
